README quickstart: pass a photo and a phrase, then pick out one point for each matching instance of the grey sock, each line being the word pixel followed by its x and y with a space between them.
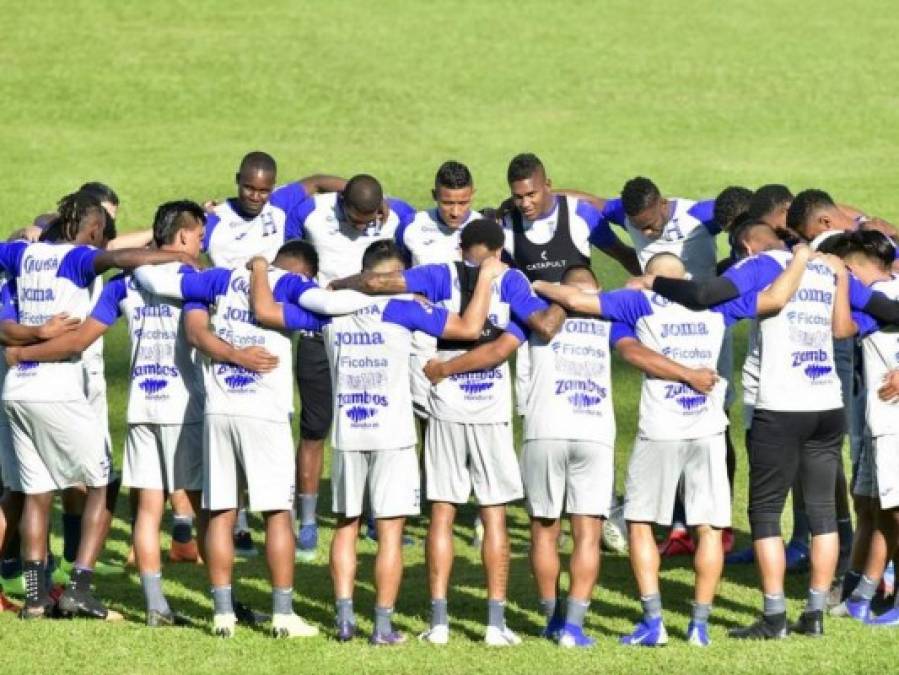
pixel 816 601
pixel 701 612
pixel 652 605
pixel 308 505
pixel 282 600
pixel 221 600
pixel 345 611
pixel 548 607
pixel 439 614
pixel 577 610
pixel 864 589
pixel 496 613
pixel 383 624
pixel 774 604
pixel 152 585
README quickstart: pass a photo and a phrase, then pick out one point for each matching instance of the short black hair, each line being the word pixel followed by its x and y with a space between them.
pixel 171 218
pixel 638 194
pixel 101 191
pixel 453 176
pixel 870 243
pixel 257 162
pixel 804 205
pixel 524 166
pixel 300 249
pixel 837 243
pixel 379 251
pixel 573 268
pixel 730 203
pixel 363 193
pixel 482 231
pixel 767 198
pixel 741 232
pixel 73 210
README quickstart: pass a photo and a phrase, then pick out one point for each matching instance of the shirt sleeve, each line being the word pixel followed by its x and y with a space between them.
pixel 431 281
pixel 743 307
pixel 600 234
pixel 519 330
pixel 753 274
pixel 404 212
pixel 78 265
pixel 704 212
pixel 624 305
pixel 107 310
pixel 290 287
pixel 516 290
pixel 287 197
pixel 193 306
pixel 211 221
pixel 613 212
pixel 865 322
pixel 619 331
pixel 205 286
pixel 11 257
pixel 859 294
pixel 416 316
pixel 297 318
pixel 7 304
pixel 295 223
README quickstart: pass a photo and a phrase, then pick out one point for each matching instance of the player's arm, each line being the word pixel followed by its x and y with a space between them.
pixel 481 357
pixel 547 322
pixel 655 365
pixel 138 239
pixel 199 335
pixel 625 255
pixel 67 345
pixel 772 299
pixel 469 325
pixel 14 334
pixel 690 294
pixel 598 202
pixel 320 183
pixel 570 298
pixel 131 258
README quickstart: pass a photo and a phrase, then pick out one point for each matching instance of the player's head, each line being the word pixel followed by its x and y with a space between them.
pixel 666 265
pixel 754 236
pixel 730 204
pixel 645 207
pixel 255 181
pixel 769 204
pixel 868 254
pixel 481 239
pixel 453 192
pixel 813 212
pixel 179 226
pixel 104 194
pixel 361 201
pixel 383 257
pixel 531 189
pixel 298 257
pixel 580 276
pixel 81 220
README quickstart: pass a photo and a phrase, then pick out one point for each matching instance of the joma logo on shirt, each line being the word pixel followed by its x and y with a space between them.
pixel 152 310
pixel 240 315
pixel 38 294
pixel 814 295
pixel 358 338
pixel 684 329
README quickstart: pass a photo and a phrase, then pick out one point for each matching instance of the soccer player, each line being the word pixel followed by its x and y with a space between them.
pixel 246 437
pixel 680 433
pixel 373 437
pixel 798 420
pixel 340 225
pixel 58 440
pixel 256 222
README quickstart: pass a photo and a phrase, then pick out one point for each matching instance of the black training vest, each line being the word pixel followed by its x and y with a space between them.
pixel 546 262
pixel 468 279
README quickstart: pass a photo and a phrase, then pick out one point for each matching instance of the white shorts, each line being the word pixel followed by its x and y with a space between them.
pixel 655 469
pixel 9 465
pixel 247 452
pixel 575 476
pixel 424 348
pixel 58 444
pixel 95 390
pixel 164 457
pixel 886 459
pixel 391 477
pixel 461 457
pixel 522 378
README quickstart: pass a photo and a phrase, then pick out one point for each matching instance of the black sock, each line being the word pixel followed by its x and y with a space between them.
pixel 11 565
pixel 81 579
pixel 33 571
pixel 71 536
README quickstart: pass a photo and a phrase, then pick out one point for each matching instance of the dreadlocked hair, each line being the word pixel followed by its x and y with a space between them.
pixel 73 210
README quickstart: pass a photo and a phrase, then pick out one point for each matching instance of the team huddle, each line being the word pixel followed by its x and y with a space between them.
pixel 399 327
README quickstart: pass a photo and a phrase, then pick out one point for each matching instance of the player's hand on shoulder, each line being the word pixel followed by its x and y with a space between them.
pixel 257 359
pixel 434 371
pixel 889 390
pixel 835 263
pixel 57 325
pixel 209 205
pixel 702 380
pixel 257 261
pixel 878 225
pixel 802 251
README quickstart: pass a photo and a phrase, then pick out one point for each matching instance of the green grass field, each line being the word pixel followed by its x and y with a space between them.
pixel 162 99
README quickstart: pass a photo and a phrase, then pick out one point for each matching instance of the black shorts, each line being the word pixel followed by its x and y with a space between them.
pixel 786 446
pixel 314 382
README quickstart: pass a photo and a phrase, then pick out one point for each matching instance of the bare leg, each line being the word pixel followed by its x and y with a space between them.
pixel 34 525
pixel 389 560
pixel 343 557
pixel 95 523
pixel 708 562
pixel 151 504
pixel 644 555
pixel 585 558
pixel 769 556
pixel 545 555
pixel 495 551
pixel 440 551
pixel 279 547
pixel 220 546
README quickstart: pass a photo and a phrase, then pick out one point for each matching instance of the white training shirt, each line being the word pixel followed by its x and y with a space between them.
pixel 880 346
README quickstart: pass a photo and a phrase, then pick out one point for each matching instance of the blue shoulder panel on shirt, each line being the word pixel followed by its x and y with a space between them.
pixel 404 212
pixel 78 265
pixel 753 274
pixel 297 318
pixel 601 234
pixel 288 196
pixel 414 315
pixel 205 286
pixel 742 307
pixel 866 323
pixel 211 221
pixel 11 256
pixel 7 304
pixel 107 309
pixel 518 329
pixel 515 289
pixel 859 294
pixel 625 305
pixel 432 281
pixel 290 287
pixel 619 331
pixel 295 225
pixel 613 212
pixel 704 212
